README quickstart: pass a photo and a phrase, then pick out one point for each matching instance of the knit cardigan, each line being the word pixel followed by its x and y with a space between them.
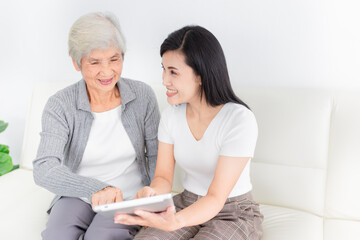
pixel 66 124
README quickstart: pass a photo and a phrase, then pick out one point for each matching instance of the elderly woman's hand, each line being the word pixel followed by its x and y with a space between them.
pixel 106 195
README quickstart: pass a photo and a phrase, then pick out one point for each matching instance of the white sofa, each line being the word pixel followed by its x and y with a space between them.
pixel 305 173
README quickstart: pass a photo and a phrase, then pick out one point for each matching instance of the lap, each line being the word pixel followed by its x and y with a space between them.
pixel 157 234
pixel 105 228
pixel 222 229
pixel 73 219
pixel 239 219
pixel 69 218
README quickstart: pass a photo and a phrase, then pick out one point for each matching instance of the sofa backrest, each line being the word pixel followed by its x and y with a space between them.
pixel 307 155
pixel 292 149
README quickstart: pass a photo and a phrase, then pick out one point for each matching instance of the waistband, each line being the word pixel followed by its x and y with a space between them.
pixel 196 197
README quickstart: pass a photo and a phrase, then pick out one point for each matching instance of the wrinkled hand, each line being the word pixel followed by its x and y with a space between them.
pixel 165 221
pixel 106 195
pixel 145 192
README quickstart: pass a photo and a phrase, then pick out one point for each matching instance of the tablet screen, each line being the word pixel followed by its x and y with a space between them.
pixel 156 203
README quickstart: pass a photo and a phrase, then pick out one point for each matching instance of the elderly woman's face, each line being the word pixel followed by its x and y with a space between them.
pixel 102 69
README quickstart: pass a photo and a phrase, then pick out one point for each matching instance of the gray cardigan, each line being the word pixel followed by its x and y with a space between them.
pixel 66 124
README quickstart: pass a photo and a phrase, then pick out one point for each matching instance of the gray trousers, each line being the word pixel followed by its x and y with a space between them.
pixel 73 219
pixel 240 219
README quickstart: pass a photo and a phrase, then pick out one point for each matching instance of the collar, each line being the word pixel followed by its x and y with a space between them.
pixel 126 93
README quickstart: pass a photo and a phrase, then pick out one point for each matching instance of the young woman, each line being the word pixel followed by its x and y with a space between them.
pixel 211 134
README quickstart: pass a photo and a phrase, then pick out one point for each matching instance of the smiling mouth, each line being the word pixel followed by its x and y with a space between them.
pixel 105 81
pixel 171 93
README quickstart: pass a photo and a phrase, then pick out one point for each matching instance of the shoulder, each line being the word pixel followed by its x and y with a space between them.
pixel 64 99
pixel 238 112
pixel 171 115
pixel 140 89
pixel 239 116
pixel 238 131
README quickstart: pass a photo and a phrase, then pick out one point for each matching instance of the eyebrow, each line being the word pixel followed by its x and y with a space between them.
pixel 95 59
pixel 170 67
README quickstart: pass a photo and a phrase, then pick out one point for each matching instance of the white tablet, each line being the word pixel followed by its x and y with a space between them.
pixel 157 203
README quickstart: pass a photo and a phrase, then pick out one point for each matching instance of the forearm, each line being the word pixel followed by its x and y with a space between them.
pixel 199 212
pixel 61 181
pixel 161 185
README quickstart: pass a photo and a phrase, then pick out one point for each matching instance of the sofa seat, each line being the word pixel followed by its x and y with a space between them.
pixel 23 206
pixel 282 223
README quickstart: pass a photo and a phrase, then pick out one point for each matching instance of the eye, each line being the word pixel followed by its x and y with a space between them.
pixel 172 72
pixel 94 63
pixel 115 59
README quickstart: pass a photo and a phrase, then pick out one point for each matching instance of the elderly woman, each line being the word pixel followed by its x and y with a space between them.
pixel 99 136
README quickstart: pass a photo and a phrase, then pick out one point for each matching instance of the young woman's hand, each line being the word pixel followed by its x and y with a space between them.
pixel 145 192
pixel 106 195
pixel 166 221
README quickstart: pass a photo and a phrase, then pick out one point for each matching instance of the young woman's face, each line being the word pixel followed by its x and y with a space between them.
pixel 101 69
pixel 182 85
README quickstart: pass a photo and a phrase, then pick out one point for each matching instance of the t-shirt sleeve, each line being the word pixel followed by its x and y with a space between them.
pixel 240 135
pixel 164 132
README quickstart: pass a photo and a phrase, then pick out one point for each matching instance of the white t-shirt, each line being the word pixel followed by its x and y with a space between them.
pixel 109 154
pixel 232 132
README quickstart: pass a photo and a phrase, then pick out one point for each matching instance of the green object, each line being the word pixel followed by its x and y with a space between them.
pixel 3 126
pixel 6 164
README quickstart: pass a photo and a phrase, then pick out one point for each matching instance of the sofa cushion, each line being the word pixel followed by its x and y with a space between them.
pixel 23 206
pixel 343 178
pixel 335 229
pixel 284 224
pixel 16 186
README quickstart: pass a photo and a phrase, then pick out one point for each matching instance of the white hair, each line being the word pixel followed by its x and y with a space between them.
pixel 91 31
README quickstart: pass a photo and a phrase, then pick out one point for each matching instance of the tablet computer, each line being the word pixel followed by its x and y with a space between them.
pixel 156 203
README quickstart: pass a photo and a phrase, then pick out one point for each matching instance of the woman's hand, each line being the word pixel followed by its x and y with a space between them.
pixel 166 221
pixel 145 192
pixel 106 195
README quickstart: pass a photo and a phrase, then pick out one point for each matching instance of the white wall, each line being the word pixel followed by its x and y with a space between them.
pixel 268 43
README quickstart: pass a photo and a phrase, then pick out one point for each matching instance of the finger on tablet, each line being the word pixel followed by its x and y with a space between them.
pixel 149 192
pixel 118 197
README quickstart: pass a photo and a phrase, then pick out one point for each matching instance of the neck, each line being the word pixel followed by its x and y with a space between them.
pixel 202 110
pixel 103 101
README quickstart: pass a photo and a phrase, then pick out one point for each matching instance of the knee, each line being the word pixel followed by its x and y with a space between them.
pixel 108 234
pixel 145 235
pixel 61 233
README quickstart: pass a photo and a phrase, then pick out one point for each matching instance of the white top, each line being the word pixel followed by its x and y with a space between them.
pixel 109 154
pixel 232 132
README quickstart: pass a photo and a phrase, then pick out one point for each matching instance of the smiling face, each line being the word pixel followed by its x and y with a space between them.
pixel 101 70
pixel 182 84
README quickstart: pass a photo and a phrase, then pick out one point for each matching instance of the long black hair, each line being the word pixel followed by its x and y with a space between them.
pixel 203 53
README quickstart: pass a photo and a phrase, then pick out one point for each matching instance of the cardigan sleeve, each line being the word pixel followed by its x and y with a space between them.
pixel 152 120
pixel 49 170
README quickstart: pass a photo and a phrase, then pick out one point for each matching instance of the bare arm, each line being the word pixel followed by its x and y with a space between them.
pixel 227 173
pixel 164 173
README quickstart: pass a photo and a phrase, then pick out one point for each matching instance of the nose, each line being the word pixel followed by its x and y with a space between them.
pixel 166 81
pixel 105 67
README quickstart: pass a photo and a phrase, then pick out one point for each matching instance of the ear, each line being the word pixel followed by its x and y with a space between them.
pixel 198 79
pixel 75 65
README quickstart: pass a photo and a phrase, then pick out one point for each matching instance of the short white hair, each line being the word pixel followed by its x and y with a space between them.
pixel 99 30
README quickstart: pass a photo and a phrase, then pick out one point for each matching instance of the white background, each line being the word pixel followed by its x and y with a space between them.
pixel 267 43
